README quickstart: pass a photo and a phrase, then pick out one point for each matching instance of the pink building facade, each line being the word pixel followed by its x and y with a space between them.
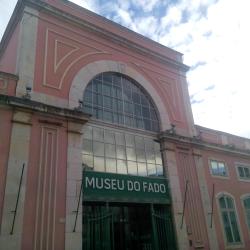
pixel 98 145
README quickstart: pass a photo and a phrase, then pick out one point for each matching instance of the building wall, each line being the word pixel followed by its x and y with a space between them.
pixel 57 54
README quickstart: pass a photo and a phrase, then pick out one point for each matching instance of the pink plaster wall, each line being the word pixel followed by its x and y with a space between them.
pixel 44 213
pixel 9 57
pixel 5 134
pixel 232 186
pixel 63 49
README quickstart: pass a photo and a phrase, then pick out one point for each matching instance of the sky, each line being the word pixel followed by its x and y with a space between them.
pixel 214 37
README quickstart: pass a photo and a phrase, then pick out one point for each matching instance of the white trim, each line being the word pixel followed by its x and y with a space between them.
pixel 242 198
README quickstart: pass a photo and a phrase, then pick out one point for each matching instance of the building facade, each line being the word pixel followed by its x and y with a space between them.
pixel 98 145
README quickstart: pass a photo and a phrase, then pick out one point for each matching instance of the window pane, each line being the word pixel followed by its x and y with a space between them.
pixel 98 148
pixel 99 164
pixel 159 169
pixel 87 147
pixel 139 142
pixel 87 132
pixel 234 227
pixel 229 203
pixel 111 165
pixel 110 150
pixel 120 152
pixel 222 202
pixel 227 228
pixel 131 154
pixel 247 203
pixel 130 140
pixel 119 138
pixel 241 172
pixel 140 153
pixel 142 169
pixel 247 173
pixel 88 160
pixel 132 168
pixel 248 218
pixel 151 170
pixel 121 167
pixel 109 136
pixel 97 134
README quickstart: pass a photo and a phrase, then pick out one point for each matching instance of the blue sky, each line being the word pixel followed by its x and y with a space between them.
pixel 214 37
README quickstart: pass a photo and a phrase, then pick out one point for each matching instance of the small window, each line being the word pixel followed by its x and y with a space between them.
pixel 218 168
pixel 246 202
pixel 229 220
pixel 243 172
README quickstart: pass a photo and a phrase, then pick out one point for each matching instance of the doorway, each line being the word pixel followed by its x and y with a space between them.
pixel 119 226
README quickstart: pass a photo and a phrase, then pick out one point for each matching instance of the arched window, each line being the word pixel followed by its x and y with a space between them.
pixel 114 98
pixel 246 203
pixel 229 220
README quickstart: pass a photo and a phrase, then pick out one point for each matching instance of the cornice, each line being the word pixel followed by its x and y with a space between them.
pixel 200 144
pixel 6 75
pixel 30 106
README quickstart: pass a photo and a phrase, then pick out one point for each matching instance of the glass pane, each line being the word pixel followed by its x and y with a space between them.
pixel 107 102
pixel 145 112
pixel 111 165
pixel 121 167
pixel 88 160
pixel 97 86
pixel 227 227
pixel 99 164
pixel 109 137
pixel 222 202
pixel 131 154
pixel 119 138
pixel 139 142
pixel 142 169
pixel 132 168
pixel 247 172
pixel 110 150
pixel 97 134
pixel 120 152
pixel 106 89
pixel 248 218
pixel 107 77
pixel 158 158
pixel 214 167
pixel 152 170
pixel 159 169
pixel 87 132
pixel 241 172
pixel 88 96
pixel 98 148
pixel 222 169
pixel 247 203
pixel 87 147
pixel 229 202
pixel 107 116
pixel 130 140
pixel 150 155
pixel 234 225
pixel 140 153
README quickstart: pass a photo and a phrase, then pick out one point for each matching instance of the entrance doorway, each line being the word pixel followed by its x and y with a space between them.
pixel 119 226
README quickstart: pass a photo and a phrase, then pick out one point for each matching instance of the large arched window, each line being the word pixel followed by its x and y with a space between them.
pixel 114 98
pixel 229 220
pixel 246 203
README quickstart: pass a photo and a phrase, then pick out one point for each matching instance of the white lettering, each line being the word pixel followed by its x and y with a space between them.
pixel 145 186
pixel 113 184
pixel 162 188
pixel 107 183
pixel 130 185
pixel 137 186
pixel 90 182
pixel 120 187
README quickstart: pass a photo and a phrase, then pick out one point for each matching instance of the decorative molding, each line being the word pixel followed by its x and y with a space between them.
pixel 47 190
pixel 62 62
